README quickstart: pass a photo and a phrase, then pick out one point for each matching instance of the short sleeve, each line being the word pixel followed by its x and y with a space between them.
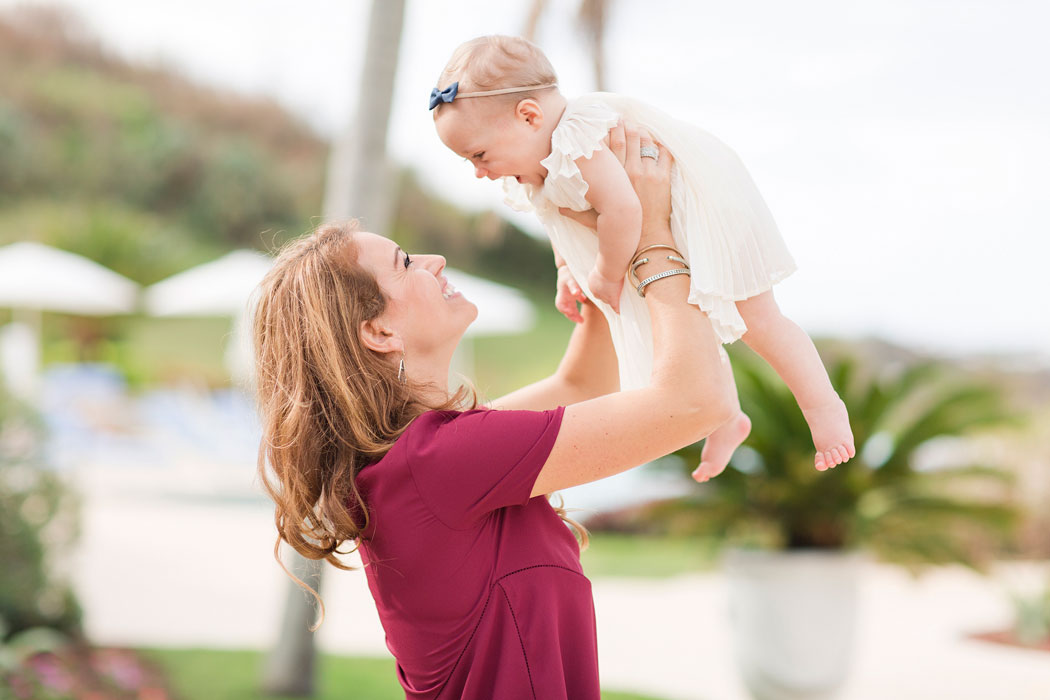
pixel 579 134
pixel 466 465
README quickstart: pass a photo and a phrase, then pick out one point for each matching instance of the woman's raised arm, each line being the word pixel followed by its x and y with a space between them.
pixel 588 369
pixel 688 396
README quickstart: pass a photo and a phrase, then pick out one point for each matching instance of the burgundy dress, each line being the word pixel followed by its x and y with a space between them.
pixel 479 588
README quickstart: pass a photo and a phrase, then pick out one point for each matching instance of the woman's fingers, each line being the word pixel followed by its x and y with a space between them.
pixel 651 181
pixel 618 141
pixel 631 162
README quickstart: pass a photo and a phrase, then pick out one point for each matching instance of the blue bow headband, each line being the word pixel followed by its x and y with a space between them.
pixel 452 92
pixel 446 95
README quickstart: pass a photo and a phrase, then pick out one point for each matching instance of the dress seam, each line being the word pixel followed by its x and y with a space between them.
pixel 485 609
pixel 539 566
pixel 466 646
pixel 517 630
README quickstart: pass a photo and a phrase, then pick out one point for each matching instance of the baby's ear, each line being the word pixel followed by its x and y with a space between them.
pixel 530 112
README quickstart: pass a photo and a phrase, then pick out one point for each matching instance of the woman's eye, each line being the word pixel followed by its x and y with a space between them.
pixel 408 261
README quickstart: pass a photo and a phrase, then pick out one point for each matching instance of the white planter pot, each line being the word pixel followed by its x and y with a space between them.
pixel 793 616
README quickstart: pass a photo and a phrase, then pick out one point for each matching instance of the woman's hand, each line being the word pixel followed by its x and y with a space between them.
pixel 650 177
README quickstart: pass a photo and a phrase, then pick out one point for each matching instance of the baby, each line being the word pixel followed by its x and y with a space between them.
pixel 497 104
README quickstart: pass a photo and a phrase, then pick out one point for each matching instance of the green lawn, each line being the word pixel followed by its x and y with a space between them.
pixel 207 674
pixel 505 363
pixel 639 556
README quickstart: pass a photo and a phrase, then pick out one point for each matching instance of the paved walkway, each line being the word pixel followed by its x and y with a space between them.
pixel 182 573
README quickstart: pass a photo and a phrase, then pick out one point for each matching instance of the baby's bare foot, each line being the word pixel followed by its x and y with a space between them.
pixel 720 445
pixel 832 436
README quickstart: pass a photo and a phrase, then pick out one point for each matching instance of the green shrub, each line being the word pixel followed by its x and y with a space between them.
pixel 38 519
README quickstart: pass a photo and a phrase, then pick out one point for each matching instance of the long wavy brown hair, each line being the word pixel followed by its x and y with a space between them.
pixel 329 405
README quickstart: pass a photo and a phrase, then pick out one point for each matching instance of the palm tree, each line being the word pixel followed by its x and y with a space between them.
pixel 592 17
pixel 882 500
pixel 358 185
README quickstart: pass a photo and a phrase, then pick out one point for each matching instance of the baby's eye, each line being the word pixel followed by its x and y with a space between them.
pixel 479 155
pixel 408 261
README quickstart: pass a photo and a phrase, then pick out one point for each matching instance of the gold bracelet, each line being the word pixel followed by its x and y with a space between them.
pixel 652 247
pixel 637 261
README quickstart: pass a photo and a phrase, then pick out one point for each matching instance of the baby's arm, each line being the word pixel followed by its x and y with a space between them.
pixel 610 193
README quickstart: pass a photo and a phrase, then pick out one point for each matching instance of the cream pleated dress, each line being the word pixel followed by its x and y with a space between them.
pixel 718 219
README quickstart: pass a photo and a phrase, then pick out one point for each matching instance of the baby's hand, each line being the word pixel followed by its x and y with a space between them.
pixel 568 294
pixel 605 289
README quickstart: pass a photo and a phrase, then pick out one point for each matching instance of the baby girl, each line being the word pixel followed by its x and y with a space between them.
pixel 497 104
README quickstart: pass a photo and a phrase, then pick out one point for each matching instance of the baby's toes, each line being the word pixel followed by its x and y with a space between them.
pixel 839 455
pixel 819 463
pixel 829 458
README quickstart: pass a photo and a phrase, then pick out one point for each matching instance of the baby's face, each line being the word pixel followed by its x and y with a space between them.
pixel 497 140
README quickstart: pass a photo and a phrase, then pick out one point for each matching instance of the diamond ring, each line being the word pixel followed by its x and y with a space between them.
pixel 649 152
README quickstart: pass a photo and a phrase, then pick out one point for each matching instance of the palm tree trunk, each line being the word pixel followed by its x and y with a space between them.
pixel 291 663
pixel 532 22
pixel 592 17
pixel 359 175
pixel 358 184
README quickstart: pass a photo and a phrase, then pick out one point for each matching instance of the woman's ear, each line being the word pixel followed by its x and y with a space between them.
pixel 377 335
pixel 530 112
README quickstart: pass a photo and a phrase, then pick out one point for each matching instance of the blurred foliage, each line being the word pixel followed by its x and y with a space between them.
pixel 135 145
pixel 1032 617
pixel 136 243
pixel 149 174
pixel 41 663
pixel 771 495
pixel 38 520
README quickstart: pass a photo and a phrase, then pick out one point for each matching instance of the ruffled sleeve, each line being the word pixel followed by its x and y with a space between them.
pixel 517 196
pixel 578 135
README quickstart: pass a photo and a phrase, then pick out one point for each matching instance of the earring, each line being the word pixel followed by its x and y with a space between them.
pixel 401 375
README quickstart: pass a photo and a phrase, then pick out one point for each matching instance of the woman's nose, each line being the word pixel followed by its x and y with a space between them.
pixel 436 263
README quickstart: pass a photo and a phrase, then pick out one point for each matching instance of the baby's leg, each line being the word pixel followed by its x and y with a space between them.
pixel 720 445
pixel 790 352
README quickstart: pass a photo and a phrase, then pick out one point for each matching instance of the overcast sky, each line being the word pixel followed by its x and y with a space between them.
pixel 903 145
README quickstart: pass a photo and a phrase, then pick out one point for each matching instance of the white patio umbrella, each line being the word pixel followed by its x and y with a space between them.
pixel 224 287
pixel 502 310
pixel 221 287
pixel 34 278
pixel 38 277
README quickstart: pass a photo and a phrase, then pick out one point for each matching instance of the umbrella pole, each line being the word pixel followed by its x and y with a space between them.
pixel 26 385
pixel 34 318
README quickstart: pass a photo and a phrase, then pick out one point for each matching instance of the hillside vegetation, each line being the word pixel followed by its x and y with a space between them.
pixel 149 173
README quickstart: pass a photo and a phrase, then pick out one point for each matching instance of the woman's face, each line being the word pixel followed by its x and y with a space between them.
pixel 423 308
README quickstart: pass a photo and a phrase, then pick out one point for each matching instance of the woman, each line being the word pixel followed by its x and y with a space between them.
pixel 477 582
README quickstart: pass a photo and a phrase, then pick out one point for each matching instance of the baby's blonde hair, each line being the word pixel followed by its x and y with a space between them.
pixel 494 62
